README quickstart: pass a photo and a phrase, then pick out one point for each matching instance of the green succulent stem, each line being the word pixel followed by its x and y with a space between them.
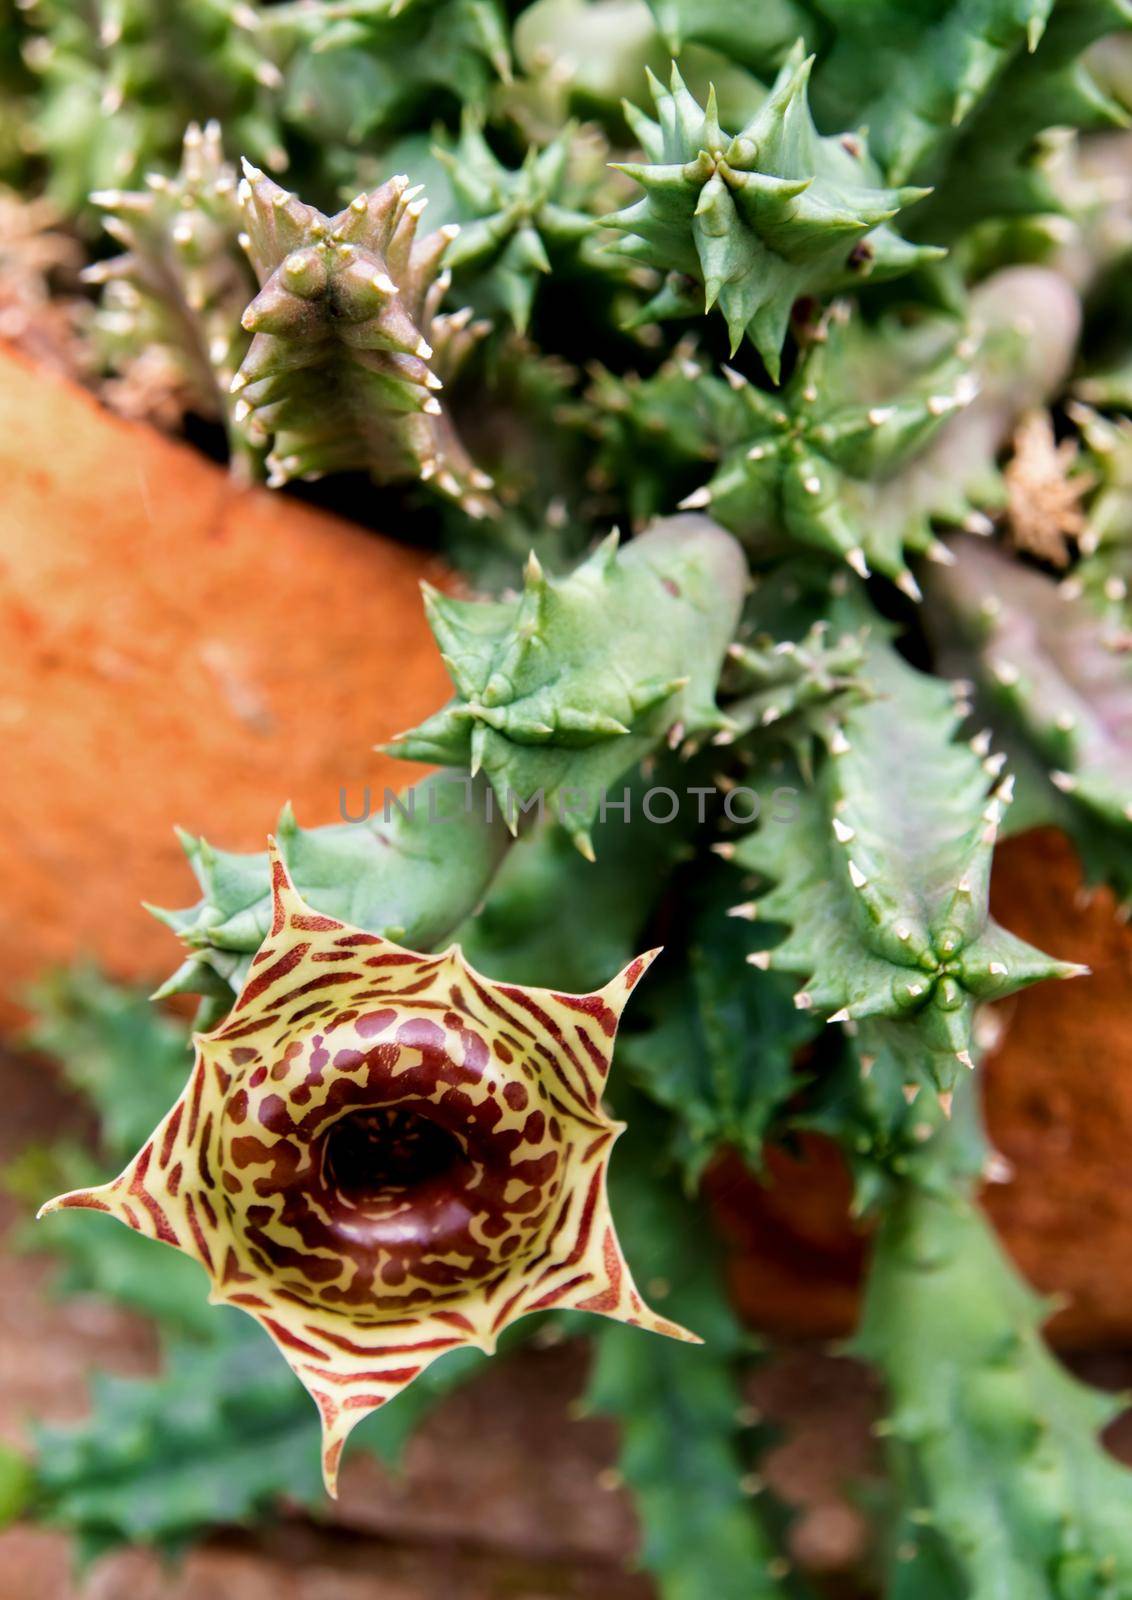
pixel 413 871
pixel 1001 1482
pixel 760 217
pixel 562 690
pixel 891 846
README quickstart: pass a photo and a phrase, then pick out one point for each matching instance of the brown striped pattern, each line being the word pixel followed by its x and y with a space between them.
pixel 473 1189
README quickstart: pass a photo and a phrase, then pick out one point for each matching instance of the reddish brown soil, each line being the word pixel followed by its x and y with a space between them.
pixel 172 650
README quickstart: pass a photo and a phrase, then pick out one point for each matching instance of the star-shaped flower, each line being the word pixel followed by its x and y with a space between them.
pixel 382 1156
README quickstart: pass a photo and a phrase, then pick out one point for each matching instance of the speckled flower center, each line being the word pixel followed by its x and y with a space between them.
pixel 376 1159
pixel 390 1154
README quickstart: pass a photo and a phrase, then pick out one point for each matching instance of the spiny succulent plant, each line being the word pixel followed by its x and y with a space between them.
pixel 411 870
pixel 1105 568
pixel 344 1157
pixel 562 690
pixel 892 847
pixel 1002 1483
pixel 915 80
pixel 347 339
pixel 721 1036
pixel 121 78
pixel 791 773
pixel 887 1131
pixel 760 218
pixel 356 69
pixel 883 433
pixel 517 225
pixel 686 1437
pixel 521 440
pixel 32 251
pixel 183 282
pixel 795 688
pixel 1060 679
pixel 1002 136
pixel 654 434
pixel 604 910
pixel 822 461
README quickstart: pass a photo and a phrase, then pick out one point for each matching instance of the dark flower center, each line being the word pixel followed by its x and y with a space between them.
pixel 370 1153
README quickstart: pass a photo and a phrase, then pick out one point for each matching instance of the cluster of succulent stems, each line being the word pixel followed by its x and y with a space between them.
pixel 779 726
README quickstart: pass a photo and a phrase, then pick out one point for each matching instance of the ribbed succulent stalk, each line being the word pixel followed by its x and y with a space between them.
pixel 882 876
pixel 562 690
pixel 412 870
pixel 1002 1484
pixel 758 218
pixel 521 225
pixel 349 343
pixel 182 284
pixel 548 738
pixel 1058 678
pixel 883 435
pixel 795 690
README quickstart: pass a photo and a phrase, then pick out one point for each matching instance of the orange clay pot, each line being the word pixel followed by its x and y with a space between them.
pixel 172 650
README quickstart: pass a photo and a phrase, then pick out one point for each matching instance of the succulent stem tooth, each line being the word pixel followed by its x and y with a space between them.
pixel 996 1169
pixel 907 584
